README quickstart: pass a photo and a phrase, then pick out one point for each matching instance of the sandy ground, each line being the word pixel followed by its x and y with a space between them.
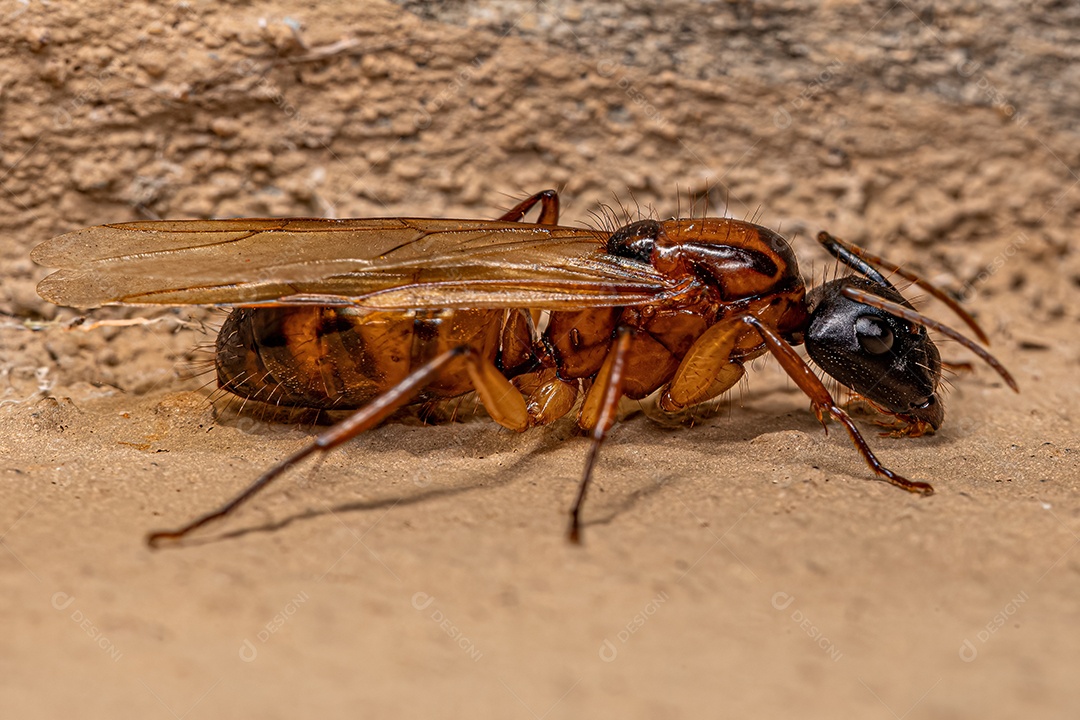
pixel 744 567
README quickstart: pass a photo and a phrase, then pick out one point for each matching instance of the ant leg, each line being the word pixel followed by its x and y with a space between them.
pixel 547 396
pixel 549 208
pixel 706 370
pixel 862 261
pixel 549 215
pixel 598 415
pixel 503 402
pixel 895 425
pixel 366 418
pixel 823 403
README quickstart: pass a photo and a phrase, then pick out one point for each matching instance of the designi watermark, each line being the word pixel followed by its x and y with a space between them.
pixel 970 288
pixel 62 601
pixel 782 601
pixel 782 116
pixel 971 70
pixel 609 650
pixel 248 650
pixel 968 650
pixel 421 601
pixel 607 69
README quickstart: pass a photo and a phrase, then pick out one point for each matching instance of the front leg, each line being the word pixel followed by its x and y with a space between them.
pixel 823 403
pixel 894 424
pixel 707 370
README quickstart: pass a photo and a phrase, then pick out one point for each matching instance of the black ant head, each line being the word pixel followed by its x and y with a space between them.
pixel 889 361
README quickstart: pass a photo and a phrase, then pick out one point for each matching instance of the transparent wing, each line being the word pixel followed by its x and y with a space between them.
pixel 390 263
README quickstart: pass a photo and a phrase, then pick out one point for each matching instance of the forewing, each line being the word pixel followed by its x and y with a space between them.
pixel 381 263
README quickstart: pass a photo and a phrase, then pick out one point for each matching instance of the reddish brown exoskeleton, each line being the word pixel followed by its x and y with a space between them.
pixel 374 314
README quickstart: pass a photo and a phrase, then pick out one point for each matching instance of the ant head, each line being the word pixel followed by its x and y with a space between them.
pixel 886 359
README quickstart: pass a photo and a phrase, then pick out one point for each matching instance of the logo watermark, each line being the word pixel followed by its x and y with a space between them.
pixel 608 69
pixel 248 650
pixel 423 116
pixel 421 601
pixel 782 601
pixel 274 94
pixel 782 117
pixel 968 650
pixel 990 269
pixel 62 601
pixel 609 650
pixel 968 69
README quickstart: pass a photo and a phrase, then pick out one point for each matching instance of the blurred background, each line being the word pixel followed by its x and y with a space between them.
pixel 943 135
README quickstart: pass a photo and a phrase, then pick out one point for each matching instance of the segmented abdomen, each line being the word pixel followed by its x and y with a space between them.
pixel 341 358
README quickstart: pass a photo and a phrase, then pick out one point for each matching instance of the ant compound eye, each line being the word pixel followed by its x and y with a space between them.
pixel 874 334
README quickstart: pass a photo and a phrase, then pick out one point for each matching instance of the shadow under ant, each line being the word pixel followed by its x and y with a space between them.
pixel 724 426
